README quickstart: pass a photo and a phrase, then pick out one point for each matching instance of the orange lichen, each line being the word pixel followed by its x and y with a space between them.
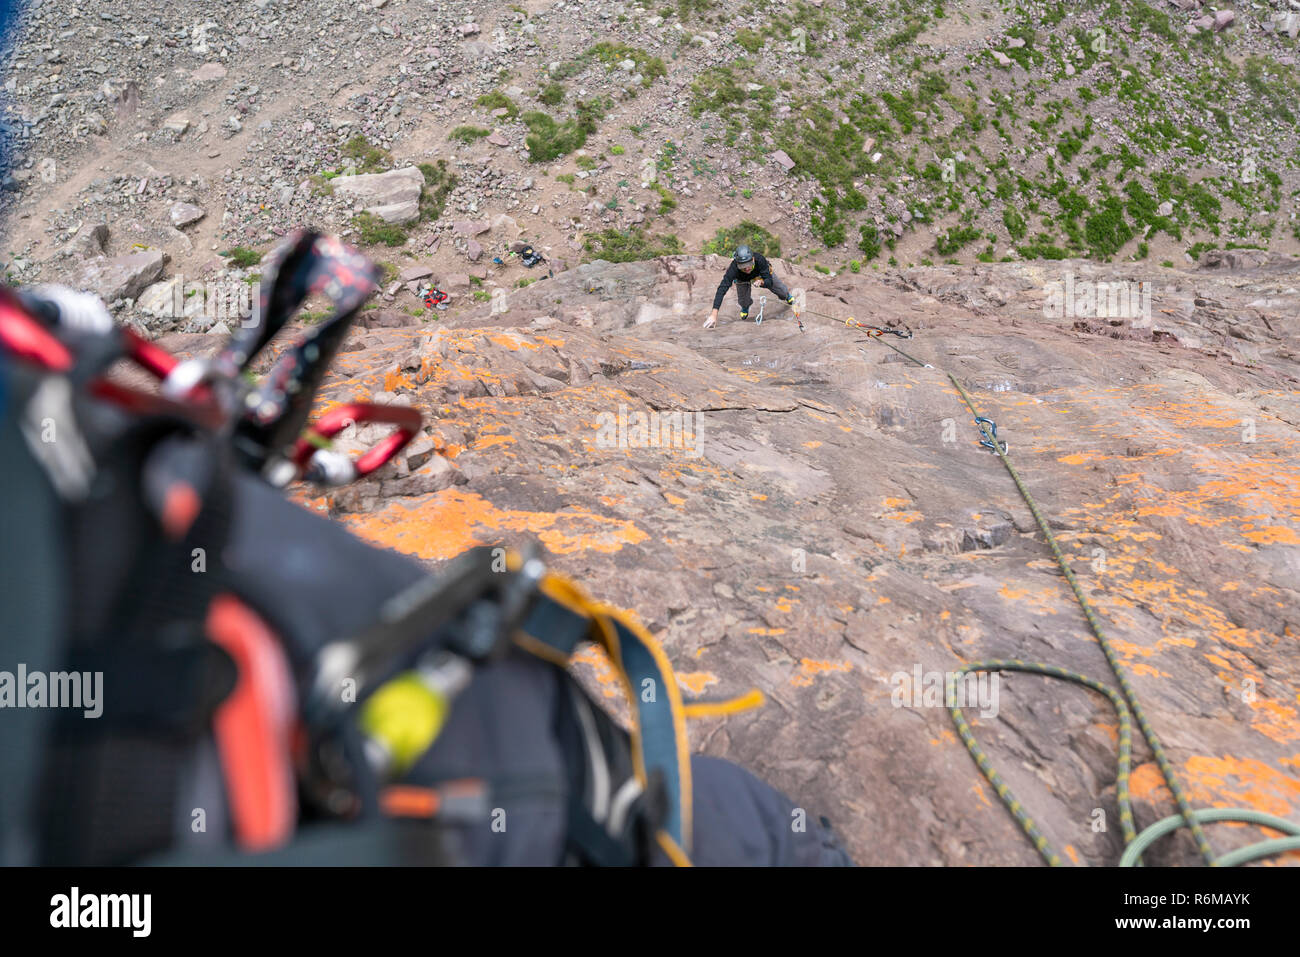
pixel 810 669
pixel 446 523
pixel 696 681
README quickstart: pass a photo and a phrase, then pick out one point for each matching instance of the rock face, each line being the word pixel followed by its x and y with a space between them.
pixel 393 196
pixel 119 277
pixel 811 514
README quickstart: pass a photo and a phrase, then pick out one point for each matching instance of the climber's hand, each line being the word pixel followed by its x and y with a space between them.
pixel 709 322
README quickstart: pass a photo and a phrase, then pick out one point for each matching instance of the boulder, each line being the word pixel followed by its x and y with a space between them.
pixel 185 214
pixel 89 241
pixel 412 273
pixel 393 196
pixel 119 277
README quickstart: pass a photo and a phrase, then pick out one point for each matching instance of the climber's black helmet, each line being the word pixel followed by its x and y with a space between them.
pixel 744 255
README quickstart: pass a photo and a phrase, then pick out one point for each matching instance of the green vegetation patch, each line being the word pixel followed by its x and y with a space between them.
pixel 744 233
pixel 631 245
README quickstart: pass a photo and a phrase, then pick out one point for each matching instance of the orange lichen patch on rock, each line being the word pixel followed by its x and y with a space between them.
pixel 446 523
pixel 1189 415
pixel 1081 458
pixel 1146 783
pixel 812 445
pixel 672 499
pixel 1148 671
pixel 899 503
pixel 1044 600
pixel 906 517
pixel 1072 853
pixel 1275 720
pixel 696 681
pixel 783 604
pixel 594 657
pixel 1164 510
pixel 508 340
pixel 1273 535
pixel 487 441
pixel 810 669
pixel 978 788
pixel 1109 729
pixel 767 631
pixel 1181 609
pixel 945 737
pixel 1228 781
pixel 1130 650
pixel 397 379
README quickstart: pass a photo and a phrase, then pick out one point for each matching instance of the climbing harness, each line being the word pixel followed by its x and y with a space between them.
pixel 1124 704
pixel 495 605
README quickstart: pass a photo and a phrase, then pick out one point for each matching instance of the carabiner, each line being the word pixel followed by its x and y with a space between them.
pixel 991 436
pixel 316 439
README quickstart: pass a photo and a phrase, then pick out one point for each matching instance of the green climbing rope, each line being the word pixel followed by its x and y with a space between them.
pixel 1251 852
pixel 1135 844
pixel 1125 757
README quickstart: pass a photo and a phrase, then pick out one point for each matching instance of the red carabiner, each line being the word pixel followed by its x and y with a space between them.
pixel 337 419
pixel 28 339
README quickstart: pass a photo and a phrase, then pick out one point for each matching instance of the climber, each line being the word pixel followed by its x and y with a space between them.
pixel 744 264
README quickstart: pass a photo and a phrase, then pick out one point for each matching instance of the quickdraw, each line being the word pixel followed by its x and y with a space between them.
pixel 264 421
pixel 989 430
pixel 878 331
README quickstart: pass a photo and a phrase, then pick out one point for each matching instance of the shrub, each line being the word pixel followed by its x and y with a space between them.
pixel 373 231
pixel 242 257
pixel 725 241
pixel 621 246
pixel 438 184
pixel 496 100
pixel 468 134
pixel 548 140
pixel 870 241
pixel 369 158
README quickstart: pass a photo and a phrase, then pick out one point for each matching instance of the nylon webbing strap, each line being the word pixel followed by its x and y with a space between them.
pixel 559 620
